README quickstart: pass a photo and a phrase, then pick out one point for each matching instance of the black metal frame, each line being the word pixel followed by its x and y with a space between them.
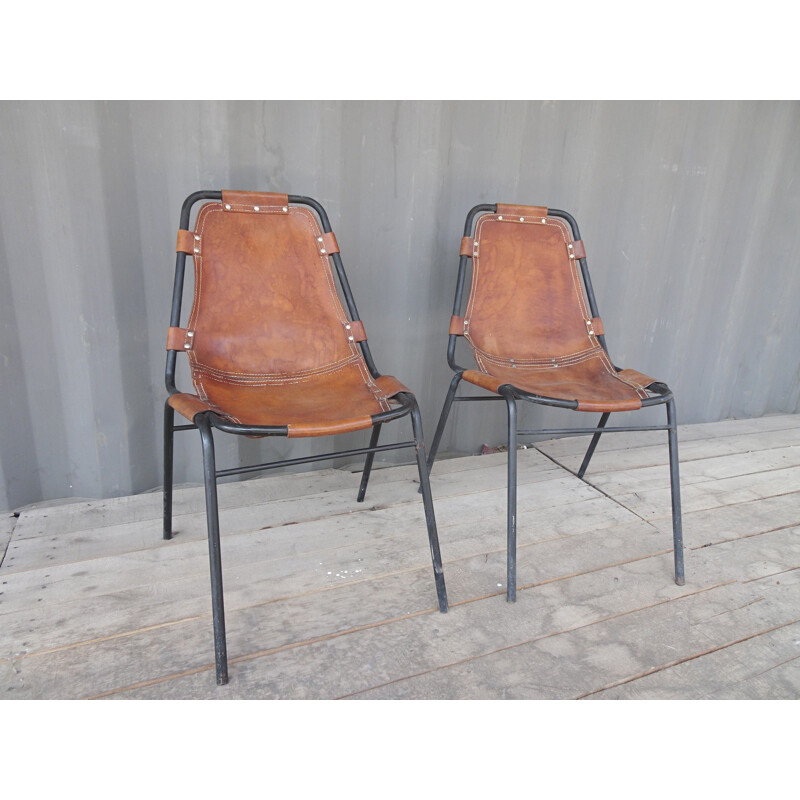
pixel 511 395
pixel 207 420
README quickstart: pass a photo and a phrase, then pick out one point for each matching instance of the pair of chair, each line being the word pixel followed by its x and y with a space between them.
pixel 274 352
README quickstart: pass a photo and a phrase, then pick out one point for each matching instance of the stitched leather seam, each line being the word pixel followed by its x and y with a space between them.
pixel 576 357
pixel 325 369
pixel 243 380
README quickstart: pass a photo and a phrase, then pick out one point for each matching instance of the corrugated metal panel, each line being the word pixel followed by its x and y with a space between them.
pixel 689 211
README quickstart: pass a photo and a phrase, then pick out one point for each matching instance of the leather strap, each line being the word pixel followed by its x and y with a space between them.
pixel 536 212
pixel 636 379
pixel 457 326
pixel 252 201
pixel 595 326
pixel 188 242
pixel 467 246
pixel 355 331
pixel 482 379
pixel 390 386
pixel 576 249
pixel 606 405
pixel 179 339
pixel 327 243
pixel 189 405
pixel 345 426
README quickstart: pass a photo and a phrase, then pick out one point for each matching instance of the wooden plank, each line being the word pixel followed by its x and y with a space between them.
pixel 610 651
pixel 65 607
pixel 399 643
pixel 764 666
pixel 396 503
pixel 79 517
pixel 713 434
pixel 297 604
pixel 549 607
pixel 86 515
pixel 415 651
pixel 654 503
pixel 624 481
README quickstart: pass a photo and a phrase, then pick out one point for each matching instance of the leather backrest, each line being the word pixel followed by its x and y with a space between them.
pixel 526 300
pixel 265 300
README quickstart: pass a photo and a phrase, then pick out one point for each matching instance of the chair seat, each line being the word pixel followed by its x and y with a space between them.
pixel 591 381
pixel 336 401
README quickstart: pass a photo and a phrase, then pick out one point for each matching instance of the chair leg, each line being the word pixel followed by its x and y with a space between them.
pixel 214 555
pixel 437 437
pixel 427 501
pixel 169 436
pixel 677 526
pixel 595 439
pixel 511 545
pixel 373 442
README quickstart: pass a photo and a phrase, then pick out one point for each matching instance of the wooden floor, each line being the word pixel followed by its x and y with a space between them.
pixel 328 598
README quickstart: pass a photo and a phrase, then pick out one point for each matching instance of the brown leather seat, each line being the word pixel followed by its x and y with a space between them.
pixel 274 352
pixel 535 334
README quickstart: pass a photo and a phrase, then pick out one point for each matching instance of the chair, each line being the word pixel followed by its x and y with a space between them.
pixel 273 353
pixel 534 338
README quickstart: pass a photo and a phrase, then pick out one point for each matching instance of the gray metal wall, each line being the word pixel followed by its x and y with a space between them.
pixel 689 212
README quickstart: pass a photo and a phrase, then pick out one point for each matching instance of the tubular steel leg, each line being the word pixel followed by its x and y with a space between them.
pixel 437 437
pixel 214 556
pixel 595 439
pixel 677 526
pixel 169 435
pixel 427 501
pixel 373 442
pixel 511 552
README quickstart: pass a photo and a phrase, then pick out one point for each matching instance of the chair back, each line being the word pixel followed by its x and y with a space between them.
pixel 526 299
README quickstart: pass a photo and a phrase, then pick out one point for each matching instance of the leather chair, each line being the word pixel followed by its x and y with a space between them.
pixel 532 323
pixel 273 352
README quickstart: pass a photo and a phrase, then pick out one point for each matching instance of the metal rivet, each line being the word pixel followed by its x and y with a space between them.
pixel 572 255
pixel 499 218
pixel 544 220
pixel 190 333
pixel 285 209
pixel 319 238
pixel 197 238
pixel 322 251
pixel 197 249
pixel 227 207
pixel 570 246
pixel 256 208
pixel 522 219
pixel 186 346
pixel 351 338
pixel 347 326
